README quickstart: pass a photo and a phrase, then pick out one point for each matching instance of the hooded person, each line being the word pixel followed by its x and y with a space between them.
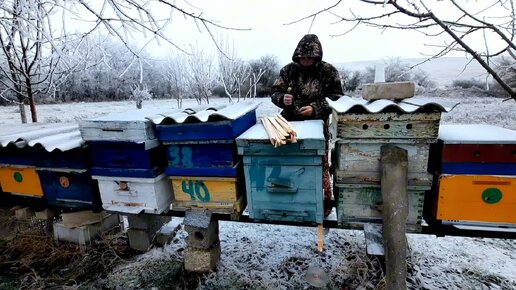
pixel 304 84
pixel 301 91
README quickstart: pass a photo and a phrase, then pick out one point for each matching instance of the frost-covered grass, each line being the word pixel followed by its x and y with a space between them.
pixel 259 256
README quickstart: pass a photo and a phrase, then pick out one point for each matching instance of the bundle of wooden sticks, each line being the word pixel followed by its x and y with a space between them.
pixel 279 130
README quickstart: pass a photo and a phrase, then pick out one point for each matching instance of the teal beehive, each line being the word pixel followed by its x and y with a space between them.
pixel 284 183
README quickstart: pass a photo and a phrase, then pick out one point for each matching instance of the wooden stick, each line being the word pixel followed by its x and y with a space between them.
pixel 269 131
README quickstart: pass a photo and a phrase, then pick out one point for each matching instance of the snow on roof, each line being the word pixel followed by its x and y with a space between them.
pixel 476 134
pixel 410 105
pixel 204 113
pixel 51 136
pixel 312 129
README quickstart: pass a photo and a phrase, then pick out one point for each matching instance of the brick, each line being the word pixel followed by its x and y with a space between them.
pixel 395 90
pixel 202 260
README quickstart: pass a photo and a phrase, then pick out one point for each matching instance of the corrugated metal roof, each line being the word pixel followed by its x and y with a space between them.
pixel 204 113
pixel 410 105
pixel 51 136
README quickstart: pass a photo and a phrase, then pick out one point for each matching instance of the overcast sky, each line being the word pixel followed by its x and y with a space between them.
pixel 270 35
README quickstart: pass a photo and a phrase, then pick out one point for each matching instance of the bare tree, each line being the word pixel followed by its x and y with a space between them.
pixel 467 19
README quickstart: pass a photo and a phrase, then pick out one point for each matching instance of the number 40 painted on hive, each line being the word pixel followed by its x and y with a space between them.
pixel 196 189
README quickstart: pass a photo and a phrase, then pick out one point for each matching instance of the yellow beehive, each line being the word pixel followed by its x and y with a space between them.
pixel 477 198
pixel 217 193
pixel 20 180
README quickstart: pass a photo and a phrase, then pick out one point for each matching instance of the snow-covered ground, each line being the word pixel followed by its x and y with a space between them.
pixel 258 256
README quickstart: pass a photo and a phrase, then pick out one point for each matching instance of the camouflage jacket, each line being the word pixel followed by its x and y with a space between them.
pixel 309 85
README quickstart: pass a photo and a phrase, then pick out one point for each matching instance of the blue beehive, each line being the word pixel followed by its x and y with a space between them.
pixel 202 143
pixel 284 183
pixel 52 162
pixel 128 162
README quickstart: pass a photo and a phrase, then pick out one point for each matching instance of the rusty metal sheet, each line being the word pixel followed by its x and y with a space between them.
pixel 51 136
pixel 346 103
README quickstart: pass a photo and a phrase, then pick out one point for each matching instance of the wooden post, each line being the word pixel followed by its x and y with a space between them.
pixel 395 211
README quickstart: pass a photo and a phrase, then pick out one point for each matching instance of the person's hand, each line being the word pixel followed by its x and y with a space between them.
pixel 287 99
pixel 306 111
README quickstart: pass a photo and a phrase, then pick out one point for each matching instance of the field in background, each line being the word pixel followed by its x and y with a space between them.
pixel 443 71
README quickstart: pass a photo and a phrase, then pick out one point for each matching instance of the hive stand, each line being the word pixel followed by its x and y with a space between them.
pixel 203 251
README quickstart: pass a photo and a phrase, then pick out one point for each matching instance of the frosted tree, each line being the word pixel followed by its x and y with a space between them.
pixel 173 74
pixel 200 75
pixel 34 34
pixel 462 22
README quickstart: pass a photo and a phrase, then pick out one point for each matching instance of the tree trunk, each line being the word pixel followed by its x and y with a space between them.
pixel 395 212
pixel 23 115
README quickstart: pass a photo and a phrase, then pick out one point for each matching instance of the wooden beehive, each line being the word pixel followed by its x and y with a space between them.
pixel 284 183
pixel 360 128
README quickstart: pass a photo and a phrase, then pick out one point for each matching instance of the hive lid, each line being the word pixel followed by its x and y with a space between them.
pixel 476 134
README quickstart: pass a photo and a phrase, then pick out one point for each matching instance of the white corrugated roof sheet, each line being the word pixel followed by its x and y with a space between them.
pixel 410 105
pixel 204 113
pixel 51 136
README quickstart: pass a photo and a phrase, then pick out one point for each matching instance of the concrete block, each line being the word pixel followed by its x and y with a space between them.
pixel 140 240
pixel 83 235
pixel 147 221
pixel 202 231
pixel 24 213
pixel 203 238
pixel 393 91
pixel 202 260
pixel 45 214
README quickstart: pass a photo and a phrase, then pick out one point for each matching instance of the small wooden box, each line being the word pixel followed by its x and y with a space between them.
pixel 213 130
pixel 360 162
pixel 223 195
pixel 477 198
pixel 135 195
pixel 284 183
pixel 72 189
pixel 202 158
pixel 21 180
pixel 421 126
pixel 358 204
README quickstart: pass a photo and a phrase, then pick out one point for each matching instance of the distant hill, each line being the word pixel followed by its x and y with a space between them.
pixel 443 71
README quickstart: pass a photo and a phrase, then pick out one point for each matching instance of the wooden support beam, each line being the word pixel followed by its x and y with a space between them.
pixel 395 211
